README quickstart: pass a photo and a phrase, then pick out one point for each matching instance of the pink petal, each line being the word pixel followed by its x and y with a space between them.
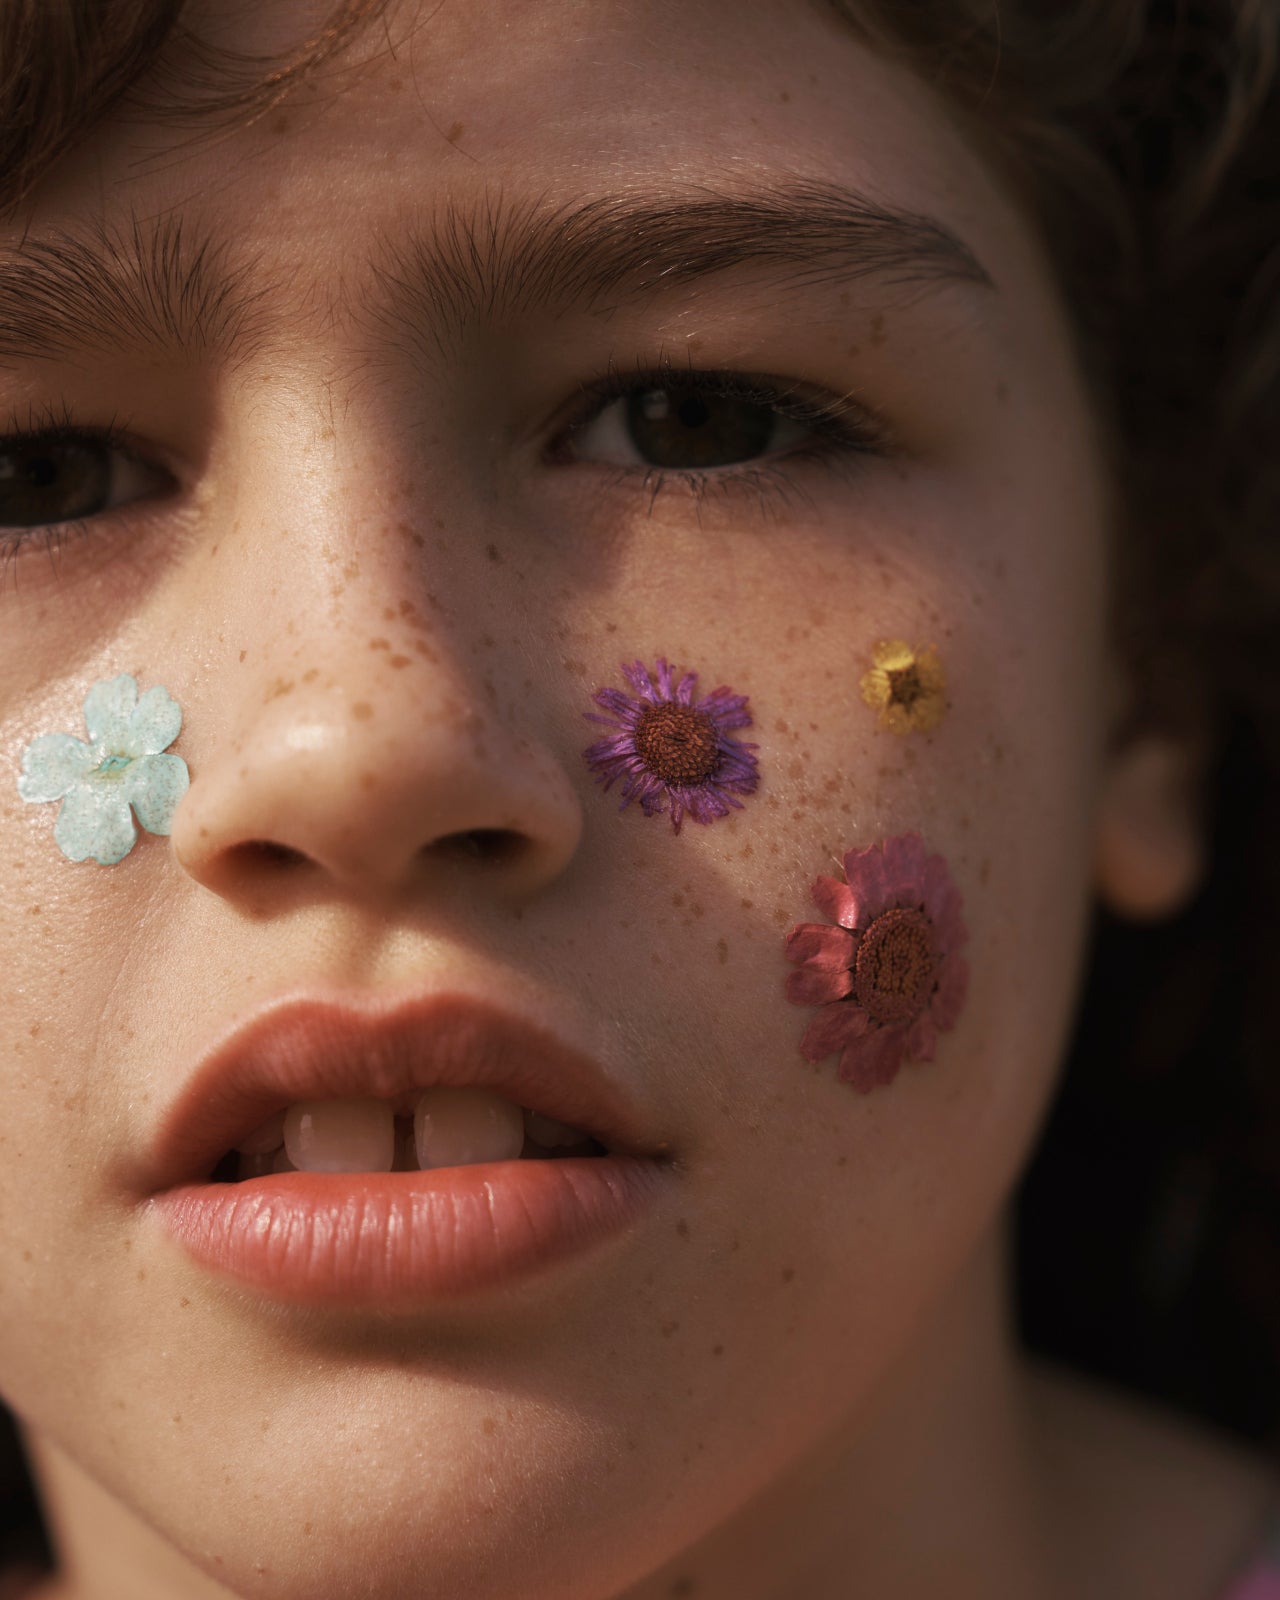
pixel 904 856
pixel 865 871
pixel 835 900
pixel 922 1036
pixel 834 1027
pixel 949 997
pixel 873 1062
pixel 813 987
pixel 822 946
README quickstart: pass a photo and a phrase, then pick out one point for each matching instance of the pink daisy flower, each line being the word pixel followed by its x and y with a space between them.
pixel 669 748
pixel 885 969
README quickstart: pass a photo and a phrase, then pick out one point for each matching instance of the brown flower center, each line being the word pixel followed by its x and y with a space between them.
pixel 905 686
pixel 677 743
pixel 895 967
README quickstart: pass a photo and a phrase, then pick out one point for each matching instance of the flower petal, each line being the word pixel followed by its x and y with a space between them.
pixel 872 1062
pixel 51 764
pixel 949 997
pixel 822 946
pixel 811 986
pixel 154 785
pixel 835 1026
pixel 922 1037
pixel 864 870
pixel 95 822
pixel 155 723
pixel 108 708
pixel 835 900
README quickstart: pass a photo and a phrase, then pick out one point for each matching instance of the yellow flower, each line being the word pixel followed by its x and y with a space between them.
pixel 906 686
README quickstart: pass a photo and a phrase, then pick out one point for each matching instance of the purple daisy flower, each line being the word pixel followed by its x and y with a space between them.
pixel 667 746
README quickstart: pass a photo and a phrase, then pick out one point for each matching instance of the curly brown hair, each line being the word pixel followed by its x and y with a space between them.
pixel 1141 136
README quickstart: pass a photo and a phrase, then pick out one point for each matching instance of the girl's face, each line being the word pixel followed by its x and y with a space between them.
pixel 386 510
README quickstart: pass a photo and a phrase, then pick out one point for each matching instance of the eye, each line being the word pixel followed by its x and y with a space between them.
pixel 52 477
pixel 691 426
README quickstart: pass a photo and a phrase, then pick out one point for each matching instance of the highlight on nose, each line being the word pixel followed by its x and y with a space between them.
pixel 373 806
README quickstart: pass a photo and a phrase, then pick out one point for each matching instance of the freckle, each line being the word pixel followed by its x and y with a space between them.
pixel 877 328
pixel 984 872
pixel 780 726
pixel 280 122
pixel 842 1161
pixel 788 1273
pixel 141 1275
pixel 213 552
pixel 455 132
pixel 577 668
pixel 611 627
pixel 677 899
pixel 854 351
pixel 388 615
pixel 184 1301
pixel 494 554
pixel 379 644
pixel 844 297
pixel 399 661
pixel 489 1425
pixel 362 711
pixel 682 1228
pixel 281 686
pixel 243 654
pixel 722 951
pixel 668 1328
pixel 34 1030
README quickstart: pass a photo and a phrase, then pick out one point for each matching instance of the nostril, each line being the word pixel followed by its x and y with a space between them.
pixel 494 846
pixel 267 853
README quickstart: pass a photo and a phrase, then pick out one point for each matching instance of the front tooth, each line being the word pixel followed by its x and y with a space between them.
pixel 267 1136
pixel 459 1127
pixel 340 1135
pixel 549 1133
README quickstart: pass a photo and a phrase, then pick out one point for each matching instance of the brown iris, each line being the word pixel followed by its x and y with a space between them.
pixel 677 743
pixel 895 966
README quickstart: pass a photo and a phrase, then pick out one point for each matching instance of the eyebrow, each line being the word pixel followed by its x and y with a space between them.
pixel 154 284
pixel 163 284
pixel 457 267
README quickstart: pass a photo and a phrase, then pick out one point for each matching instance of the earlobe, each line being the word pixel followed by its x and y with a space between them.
pixel 1149 848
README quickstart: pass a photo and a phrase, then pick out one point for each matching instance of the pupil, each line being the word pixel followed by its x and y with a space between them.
pixel 45 481
pixel 689 428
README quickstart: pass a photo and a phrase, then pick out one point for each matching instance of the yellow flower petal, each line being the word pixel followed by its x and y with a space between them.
pixel 906 686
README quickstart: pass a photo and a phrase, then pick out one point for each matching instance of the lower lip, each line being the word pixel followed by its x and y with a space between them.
pixel 402 1238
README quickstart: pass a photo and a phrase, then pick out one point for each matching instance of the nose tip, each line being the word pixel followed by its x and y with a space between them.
pixel 374 801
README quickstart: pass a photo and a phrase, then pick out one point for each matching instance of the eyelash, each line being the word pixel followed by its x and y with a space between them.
pixel 847 431
pixel 54 424
pixel 846 434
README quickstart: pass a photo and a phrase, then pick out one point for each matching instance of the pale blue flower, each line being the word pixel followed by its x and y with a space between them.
pixel 121 767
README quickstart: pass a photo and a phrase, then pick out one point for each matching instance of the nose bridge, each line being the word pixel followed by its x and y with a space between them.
pixel 368 738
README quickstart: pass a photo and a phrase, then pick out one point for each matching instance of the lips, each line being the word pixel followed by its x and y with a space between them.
pixel 403 1237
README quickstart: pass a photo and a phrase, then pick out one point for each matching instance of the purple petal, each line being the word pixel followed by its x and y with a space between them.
pixel 822 946
pixel 834 1027
pixel 811 986
pixel 835 900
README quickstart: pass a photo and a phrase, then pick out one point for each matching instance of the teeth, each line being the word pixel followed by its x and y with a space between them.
pixel 265 1138
pixel 340 1136
pixel 549 1133
pixel 459 1127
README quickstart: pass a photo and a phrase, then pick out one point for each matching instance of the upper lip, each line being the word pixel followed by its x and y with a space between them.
pixel 308 1049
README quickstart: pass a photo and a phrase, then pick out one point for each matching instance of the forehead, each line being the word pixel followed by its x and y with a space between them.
pixel 432 107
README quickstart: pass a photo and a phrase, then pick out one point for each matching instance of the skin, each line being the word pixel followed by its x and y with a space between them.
pixel 795 1376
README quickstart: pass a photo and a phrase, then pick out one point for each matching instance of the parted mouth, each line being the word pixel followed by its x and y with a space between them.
pixel 358 1085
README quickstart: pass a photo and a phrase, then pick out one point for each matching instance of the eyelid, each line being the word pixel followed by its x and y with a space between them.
pixel 840 418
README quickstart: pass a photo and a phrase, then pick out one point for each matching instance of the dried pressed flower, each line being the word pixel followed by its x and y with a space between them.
pixel 906 686
pixel 119 774
pixel 670 749
pixel 886 969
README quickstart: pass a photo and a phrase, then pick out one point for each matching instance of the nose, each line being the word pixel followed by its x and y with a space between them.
pixel 374 771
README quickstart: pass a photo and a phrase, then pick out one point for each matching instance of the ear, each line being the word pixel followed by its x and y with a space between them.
pixel 1149 843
